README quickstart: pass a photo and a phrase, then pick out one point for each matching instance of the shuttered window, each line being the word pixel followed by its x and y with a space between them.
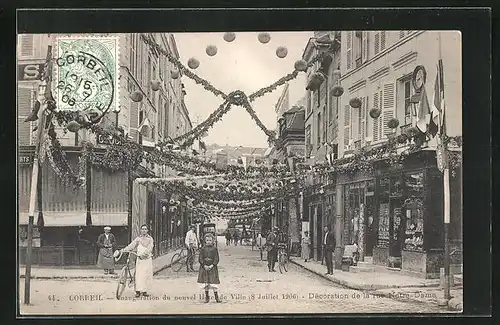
pixel 134 120
pixel 388 106
pixel 27 47
pixel 349 50
pixel 347 122
pixel 401 33
pixel 25 103
pixel 376 44
pixel 364 120
pixel 382 40
pixel 377 127
pixel 365 45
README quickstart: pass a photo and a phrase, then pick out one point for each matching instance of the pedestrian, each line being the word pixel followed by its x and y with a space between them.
pixel 107 244
pixel 272 249
pixel 143 246
pixel 228 238
pixel 192 244
pixel 329 245
pixel 208 275
pixel 306 249
pixel 236 237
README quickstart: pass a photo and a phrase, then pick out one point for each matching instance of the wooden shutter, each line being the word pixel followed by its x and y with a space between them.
pixel 382 41
pixel 347 122
pixel 377 43
pixel 349 49
pixel 362 126
pixel 25 98
pixel 134 119
pixel 401 33
pixel 376 121
pixel 27 45
pixel 388 111
pixel 364 47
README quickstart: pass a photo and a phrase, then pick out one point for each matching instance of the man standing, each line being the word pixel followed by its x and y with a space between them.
pixel 191 242
pixel 107 244
pixel 329 244
pixel 272 249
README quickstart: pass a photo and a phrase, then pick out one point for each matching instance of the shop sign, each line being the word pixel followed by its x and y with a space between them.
pixel 108 140
pixel 25 159
pixel 30 72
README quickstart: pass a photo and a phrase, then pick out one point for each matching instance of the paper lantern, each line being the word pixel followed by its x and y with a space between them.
pixel 355 102
pixel 281 52
pixel 229 36
pixel 136 96
pixel 193 184
pixel 155 85
pixel 211 50
pixel 336 73
pixel 375 112
pixel 300 65
pixel 73 126
pixel 174 74
pixel 193 63
pixel 337 91
pixel 393 123
pixel 264 38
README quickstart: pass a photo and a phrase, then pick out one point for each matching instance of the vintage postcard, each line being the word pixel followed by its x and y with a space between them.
pixel 240 173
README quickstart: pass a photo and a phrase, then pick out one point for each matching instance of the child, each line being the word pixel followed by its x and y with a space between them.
pixel 208 275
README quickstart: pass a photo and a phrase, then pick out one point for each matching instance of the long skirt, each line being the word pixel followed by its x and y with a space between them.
pixel 306 251
pixel 208 276
pixel 143 273
pixel 105 259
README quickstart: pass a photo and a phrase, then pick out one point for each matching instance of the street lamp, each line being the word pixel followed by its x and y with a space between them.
pixel 116 111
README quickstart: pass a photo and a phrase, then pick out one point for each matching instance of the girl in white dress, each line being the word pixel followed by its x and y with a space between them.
pixel 143 245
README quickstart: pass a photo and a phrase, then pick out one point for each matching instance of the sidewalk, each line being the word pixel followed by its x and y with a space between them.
pixel 159 263
pixel 394 286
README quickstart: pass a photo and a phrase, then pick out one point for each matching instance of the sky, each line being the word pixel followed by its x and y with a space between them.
pixel 244 64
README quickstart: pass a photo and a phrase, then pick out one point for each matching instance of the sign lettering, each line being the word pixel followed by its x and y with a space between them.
pixel 25 160
pixel 30 72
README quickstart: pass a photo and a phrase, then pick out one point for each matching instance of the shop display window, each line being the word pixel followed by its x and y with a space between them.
pixel 414 234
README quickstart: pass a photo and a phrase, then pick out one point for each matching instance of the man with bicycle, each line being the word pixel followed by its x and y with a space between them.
pixel 272 248
pixel 192 244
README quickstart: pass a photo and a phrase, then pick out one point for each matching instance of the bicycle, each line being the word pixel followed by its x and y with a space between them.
pixel 176 263
pixel 125 274
pixel 282 258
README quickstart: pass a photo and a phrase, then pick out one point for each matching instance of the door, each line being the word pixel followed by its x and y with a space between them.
pixel 319 232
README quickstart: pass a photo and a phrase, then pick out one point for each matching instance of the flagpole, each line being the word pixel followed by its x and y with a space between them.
pixel 446 183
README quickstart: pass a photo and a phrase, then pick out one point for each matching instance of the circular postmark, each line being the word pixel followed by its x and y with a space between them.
pixel 85 78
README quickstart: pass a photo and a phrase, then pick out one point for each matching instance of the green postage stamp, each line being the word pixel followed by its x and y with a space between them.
pixel 86 73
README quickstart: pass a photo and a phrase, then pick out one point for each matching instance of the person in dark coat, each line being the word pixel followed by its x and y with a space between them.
pixel 208 275
pixel 107 244
pixel 272 249
pixel 329 244
pixel 228 238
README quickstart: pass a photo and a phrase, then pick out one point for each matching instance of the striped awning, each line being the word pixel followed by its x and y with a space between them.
pixel 77 218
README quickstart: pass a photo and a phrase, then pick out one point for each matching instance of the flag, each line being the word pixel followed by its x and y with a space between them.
pixel 423 112
pixel 439 102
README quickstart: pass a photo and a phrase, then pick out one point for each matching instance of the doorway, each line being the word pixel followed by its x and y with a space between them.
pixel 319 233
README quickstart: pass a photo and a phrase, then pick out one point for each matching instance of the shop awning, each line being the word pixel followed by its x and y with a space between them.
pixel 77 218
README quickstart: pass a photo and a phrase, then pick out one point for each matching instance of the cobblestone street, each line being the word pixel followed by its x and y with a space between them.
pixel 246 287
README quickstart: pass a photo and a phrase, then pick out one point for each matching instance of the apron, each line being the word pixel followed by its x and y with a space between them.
pixel 143 270
pixel 105 259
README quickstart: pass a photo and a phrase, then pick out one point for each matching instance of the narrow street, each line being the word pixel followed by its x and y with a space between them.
pixel 246 287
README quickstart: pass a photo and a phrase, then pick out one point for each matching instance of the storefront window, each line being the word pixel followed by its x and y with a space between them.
pixel 396 189
pixel 414 184
pixel 383 225
pixel 414 234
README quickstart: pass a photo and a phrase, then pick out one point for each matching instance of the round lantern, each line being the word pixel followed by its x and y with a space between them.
pixel 174 74
pixel 393 123
pixel 193 184
pixel 336 73
pixel 193 63
pixel 264 38
pixel 73 126
pixel 136 96
pixel 300 65
pixel 337 91
pixel 281 52
pixel 240 161
pixel 211 50
pixel 229 36
pixel 355 102
pixel 205 186
pixel 211 187
pixel 155 85
pixel 375 112
pixel 402 138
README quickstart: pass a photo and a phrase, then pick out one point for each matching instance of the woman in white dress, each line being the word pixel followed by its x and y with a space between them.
pixel 143 246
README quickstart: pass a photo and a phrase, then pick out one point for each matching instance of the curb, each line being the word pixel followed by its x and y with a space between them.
pixel 362 287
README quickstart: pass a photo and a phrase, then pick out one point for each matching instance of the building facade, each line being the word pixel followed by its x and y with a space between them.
pixel 66 237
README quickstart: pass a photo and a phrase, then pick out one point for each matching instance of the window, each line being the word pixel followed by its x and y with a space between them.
pixel 407 100
pixel 347 122
pixel 319 129
pixel 308 104
pixel 379 42
pixel 349 50
pixel 358 48
pixel 27 47
pixel 377 123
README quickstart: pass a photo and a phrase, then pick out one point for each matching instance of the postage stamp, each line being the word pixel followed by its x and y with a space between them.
pixel 85 77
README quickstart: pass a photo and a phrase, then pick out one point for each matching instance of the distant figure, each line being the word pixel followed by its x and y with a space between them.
pixel 329 244
pixel 192 244
pixel 107 244
pixel 228 238
pixel 236 237
pixel 306 249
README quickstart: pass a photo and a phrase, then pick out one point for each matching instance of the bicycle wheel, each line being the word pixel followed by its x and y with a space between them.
pixel 177 262
pixel 194 259
pixel 122 282
pixel 285 262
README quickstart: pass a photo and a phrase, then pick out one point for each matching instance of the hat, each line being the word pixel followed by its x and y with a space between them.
pixel 192 226
pixel 107 228
pixel 275 228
